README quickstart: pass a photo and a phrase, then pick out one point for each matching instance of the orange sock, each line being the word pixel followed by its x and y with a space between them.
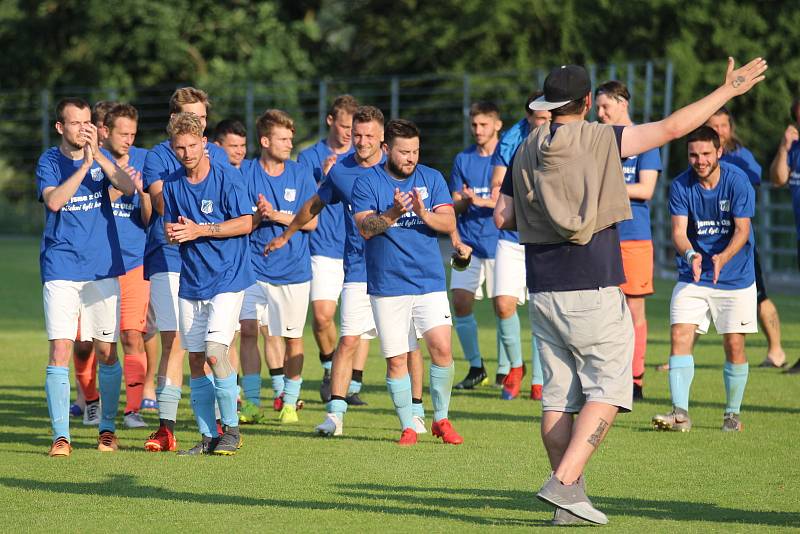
pixel 639 348
pixel 134 369
pixel 86 376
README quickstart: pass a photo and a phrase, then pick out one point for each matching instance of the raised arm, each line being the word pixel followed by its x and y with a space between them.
pixel 56 197
pixel 642 137
pixel 779 170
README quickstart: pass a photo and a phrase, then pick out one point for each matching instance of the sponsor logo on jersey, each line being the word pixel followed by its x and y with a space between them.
pixel 207 206
pixel 97 174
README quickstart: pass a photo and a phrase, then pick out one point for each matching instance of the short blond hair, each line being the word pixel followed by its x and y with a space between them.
pixel 187 95
pixel 272 118
pixel 184 123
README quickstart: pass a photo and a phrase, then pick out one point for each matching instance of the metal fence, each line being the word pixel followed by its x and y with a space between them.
pixel 439 104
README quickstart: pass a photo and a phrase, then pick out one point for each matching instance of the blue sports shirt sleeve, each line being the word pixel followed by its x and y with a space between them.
pixel 363 197
pixel 744 200
pixel 440 196
pixel 46 175
pixel 678 200
pixel 456 176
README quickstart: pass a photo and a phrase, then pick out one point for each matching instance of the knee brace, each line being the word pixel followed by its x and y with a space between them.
pixel 217 358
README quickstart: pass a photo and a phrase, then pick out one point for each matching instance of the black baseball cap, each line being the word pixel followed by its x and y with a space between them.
pixel 563 85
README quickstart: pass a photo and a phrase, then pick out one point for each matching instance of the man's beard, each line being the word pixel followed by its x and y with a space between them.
pixel 398 171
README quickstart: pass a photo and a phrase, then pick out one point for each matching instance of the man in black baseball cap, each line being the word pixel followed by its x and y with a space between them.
pixel 563 85
pixel 565 194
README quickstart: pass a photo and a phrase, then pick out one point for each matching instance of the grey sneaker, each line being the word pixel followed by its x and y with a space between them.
pixel 731 423
pixel 571 498
pixel 677 420
pixel 229 442
pixel 91 415
pixel 206 446
pixel 562 517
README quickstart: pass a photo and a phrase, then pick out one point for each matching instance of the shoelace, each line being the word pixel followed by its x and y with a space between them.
pixel 107 438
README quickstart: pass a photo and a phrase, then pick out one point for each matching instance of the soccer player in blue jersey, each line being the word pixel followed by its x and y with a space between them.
pixel 357 322
pixel 509 265
pixel 231 136
pixel 208 213
pixel 734 152
pixel 131 214
pixel 785 169
pixel 327 241
pixel 711 206
pixel 399 207
pixel 162 266
pixel 278 188
pixel 471 187
pixel 635 238
pixel 80 261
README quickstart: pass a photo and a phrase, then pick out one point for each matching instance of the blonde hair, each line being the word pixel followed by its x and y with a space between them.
pixel 272 118
pixel 184 123
pixel 187 95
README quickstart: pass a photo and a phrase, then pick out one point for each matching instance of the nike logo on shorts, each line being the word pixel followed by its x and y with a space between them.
pixel 290 328
pixel 213 331
pixel 446 316
pixel 107 333
pixel 743 323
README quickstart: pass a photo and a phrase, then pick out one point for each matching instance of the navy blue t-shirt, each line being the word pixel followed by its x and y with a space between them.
pixel 568 266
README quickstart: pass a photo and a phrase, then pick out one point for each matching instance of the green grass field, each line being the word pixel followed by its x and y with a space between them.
pixel 286 479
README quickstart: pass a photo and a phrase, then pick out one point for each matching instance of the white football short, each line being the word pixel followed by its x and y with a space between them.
pixel 356 312
pixel 95 302
pixel 254 305
pixel 734 311
pixel 287 307
pixel 209 320
pixel 164 300
pixel 471 279
pixel 327 278
pixel 402 319
pixel 509 271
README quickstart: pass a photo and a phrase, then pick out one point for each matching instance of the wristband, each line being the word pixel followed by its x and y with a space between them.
pixel 688 255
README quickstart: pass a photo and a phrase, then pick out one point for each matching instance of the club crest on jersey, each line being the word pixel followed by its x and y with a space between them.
pixel 97 174
pixel 206 206
pixel 423 192
pixel 724 205
pixel 289 194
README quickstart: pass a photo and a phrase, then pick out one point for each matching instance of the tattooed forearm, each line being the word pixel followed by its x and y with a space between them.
pixel 595 439
pixel 373 225
pixel 214 229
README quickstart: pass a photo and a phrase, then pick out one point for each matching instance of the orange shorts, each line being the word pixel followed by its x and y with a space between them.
pixel 134 298
pixel 637 262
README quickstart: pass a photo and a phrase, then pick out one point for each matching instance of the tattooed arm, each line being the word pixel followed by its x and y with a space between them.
pixel 371 223
pixel 187 230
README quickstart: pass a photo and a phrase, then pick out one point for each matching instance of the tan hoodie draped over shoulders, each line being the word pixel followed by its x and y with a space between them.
pixel 568 185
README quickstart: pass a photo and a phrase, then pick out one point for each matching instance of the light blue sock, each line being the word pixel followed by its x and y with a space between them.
pixel 327 365
pixel 503 364
pixel 536 361
pixel 251 385
pixel 400 392
pixel 508 334
pixel 418 409
pixel 355 387
pixel 278 383
pixel 441 386
pixel 681 373
pixel 291 391
pixel 735 377
pixel 225 392
pixel 338 407
pixel 168 398
pixel 202 398
pixel 109 382
pixel 467 330
pixel 56 388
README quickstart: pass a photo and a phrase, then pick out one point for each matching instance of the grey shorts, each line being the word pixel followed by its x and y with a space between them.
pixel 586 347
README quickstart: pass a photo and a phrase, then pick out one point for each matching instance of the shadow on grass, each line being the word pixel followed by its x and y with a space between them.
pixel 128 486
pixel 444 498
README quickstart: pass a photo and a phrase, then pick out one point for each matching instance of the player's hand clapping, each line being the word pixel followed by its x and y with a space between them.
pixel 402 203
pixel 697 269
pixel 265 208
pixel 329 162
pixel 418 204
pixel 184 230
pixel 790 136
pixel 276 243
